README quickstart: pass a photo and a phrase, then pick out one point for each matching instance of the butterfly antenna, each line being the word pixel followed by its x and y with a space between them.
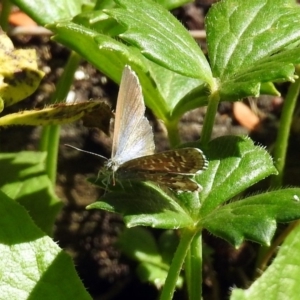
pixel 92 153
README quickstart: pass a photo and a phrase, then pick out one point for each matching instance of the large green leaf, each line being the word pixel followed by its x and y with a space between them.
pixel 281 279
pixel 144 204
pixel 161 37
pixel 32 266
pixel 167 94
pixel 110 56
pixel 235 164
pixel 23 178
pixel 251 42
pixel 254 218
pixel 231 160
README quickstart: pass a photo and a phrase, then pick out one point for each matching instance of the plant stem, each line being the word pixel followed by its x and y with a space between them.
pixel 6 8
pixel 281 143
pixel 193 268
pixel 50 134
pixel 173 134
pixel 262 264
pixel 177 262
pixel 66 80
pixel 209 119
pixel 280 150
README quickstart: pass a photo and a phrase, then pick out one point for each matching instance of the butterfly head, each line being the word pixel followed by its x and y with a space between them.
pixel 112 165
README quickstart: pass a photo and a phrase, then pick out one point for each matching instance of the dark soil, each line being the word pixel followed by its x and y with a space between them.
pixel 90 236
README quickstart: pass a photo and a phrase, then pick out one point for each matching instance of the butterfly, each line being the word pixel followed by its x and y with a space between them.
pixel 133 150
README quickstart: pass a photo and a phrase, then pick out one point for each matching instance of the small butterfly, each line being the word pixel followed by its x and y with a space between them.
pixel 133 147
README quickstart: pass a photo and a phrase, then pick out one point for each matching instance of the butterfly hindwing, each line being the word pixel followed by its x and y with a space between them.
pixel 177 182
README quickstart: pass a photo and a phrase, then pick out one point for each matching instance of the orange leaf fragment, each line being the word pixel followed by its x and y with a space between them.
pixel 19 18
pixel 245 116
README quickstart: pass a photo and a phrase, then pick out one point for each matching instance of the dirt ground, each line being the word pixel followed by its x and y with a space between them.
pixel 90 236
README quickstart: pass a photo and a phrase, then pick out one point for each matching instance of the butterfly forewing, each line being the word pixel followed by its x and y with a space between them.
pixel 185 161
pixel 133 136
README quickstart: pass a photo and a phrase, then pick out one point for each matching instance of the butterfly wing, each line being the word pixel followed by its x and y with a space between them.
pixel 133 136
pixel 176 182
pixel 172 169
pixel 184 161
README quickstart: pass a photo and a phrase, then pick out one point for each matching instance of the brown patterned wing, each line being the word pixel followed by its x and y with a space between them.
pixel 173 169
pixel 185 161
pixel 176 182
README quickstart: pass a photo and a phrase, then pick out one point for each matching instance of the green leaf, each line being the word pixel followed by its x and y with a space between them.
pixel 98 21
pixel 144 204
pixel 194 98
pixel 235 164
pixel 139 244
pixel 281 279
pixel 167 243
pixel 161 38
pixel 107 54
pixel 253 43
pixel 178 93
pixel 167 94
pixel 269 88
pixel 254 218
pixel 110 56
pixel 232 159
pixel 32 266
pixel 45 12
pixel 26 182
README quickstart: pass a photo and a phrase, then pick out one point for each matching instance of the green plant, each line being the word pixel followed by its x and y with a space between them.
pixel 251 45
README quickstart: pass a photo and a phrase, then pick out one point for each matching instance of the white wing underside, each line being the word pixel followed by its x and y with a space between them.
pixel 133 136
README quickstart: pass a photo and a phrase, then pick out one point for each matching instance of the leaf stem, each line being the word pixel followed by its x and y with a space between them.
pixel 50 134
pixel 176 265
pixel 265 259
pixel 173 134
pixel 280 150
pixel 6 9
pixel 209 119
pixel 281 143
pixel 193 268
